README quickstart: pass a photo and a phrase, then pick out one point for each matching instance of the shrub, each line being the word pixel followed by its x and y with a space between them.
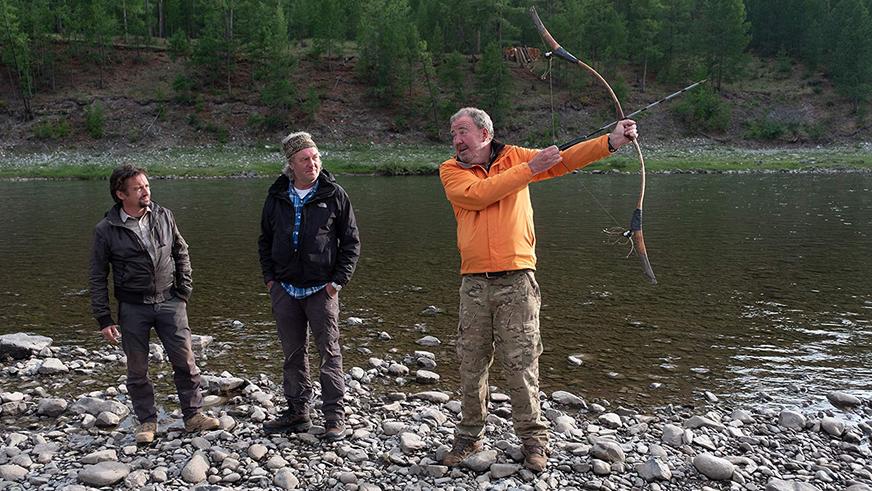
pixel 183 87
pixel 765 129
pixel 51 130
pixel 705 109
pixel 95 120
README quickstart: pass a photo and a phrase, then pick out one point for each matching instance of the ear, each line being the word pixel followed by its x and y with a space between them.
pixel 120 194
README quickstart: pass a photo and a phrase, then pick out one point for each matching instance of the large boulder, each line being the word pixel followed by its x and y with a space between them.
pixel 20 345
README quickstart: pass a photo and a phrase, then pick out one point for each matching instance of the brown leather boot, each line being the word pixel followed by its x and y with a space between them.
pixel 463 448
pixel 201 422
pixel 145 432
pixel 535 456
pixel 334 430
pixel 289 421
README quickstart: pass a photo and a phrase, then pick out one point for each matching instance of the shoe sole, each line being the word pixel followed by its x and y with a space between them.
pixel 331 438
pixel 298 428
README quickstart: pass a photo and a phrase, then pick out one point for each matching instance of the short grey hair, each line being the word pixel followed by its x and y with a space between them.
pixel 479 117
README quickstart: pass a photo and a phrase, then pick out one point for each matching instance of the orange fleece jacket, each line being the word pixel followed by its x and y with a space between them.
pixel 493 210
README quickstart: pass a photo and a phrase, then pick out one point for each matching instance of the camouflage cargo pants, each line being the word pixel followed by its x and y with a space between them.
pixel 499 318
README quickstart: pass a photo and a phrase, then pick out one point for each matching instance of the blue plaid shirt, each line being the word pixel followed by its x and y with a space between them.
pixel 297 292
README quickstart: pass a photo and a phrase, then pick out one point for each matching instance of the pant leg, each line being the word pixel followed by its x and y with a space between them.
pixel 171 325
pixel 518 346
pixel 323 314
pixel 475 350
pixel 135 323
pixel 292 327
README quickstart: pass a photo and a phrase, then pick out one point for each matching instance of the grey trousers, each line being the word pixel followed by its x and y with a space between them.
pixel 170 321
pixel 318 313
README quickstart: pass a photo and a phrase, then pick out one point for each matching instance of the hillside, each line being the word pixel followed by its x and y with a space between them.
pixel 140 110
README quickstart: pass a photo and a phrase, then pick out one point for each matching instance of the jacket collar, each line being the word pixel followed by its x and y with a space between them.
pixel 496 149
pixel 326 186
pixel 114 213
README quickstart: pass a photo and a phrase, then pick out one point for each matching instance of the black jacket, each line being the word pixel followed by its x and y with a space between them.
pixel 137 278
pixel 329 245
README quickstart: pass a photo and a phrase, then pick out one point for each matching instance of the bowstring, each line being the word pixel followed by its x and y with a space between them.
pixel 617 233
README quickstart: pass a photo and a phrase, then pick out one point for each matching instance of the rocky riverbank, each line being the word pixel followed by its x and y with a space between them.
pixel 63 429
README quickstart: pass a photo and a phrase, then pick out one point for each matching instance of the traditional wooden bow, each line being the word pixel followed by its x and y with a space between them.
pixel 635 231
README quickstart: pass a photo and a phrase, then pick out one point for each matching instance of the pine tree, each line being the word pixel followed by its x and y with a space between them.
pixel 16 55
pixel 851 59
pixel 493 83
pixel 722 37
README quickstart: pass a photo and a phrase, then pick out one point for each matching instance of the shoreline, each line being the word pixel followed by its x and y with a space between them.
pixel 250 161
pixel 397 434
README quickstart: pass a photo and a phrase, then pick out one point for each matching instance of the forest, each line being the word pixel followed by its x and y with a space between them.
pixel 412 53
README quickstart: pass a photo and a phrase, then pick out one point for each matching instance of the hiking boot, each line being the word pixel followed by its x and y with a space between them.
pixel 145 433
pixel 201 422
pixel 289 421
pixel 463 448
pixel 334 430
pixel 535 456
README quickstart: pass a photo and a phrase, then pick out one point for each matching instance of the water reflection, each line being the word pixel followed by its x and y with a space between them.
pixel 763 279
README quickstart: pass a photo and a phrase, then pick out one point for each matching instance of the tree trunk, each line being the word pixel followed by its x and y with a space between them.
pixel 124 15
pixel 148 21
pixel 161 28
pixel 644 72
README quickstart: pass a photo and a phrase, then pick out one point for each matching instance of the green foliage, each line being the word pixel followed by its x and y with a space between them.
pixel 95 120
pixel 183 87
pixel 312 103
pixel 783 64
pixel 703 109
pixel 52 129
pixel 765 129
pixel 179 45
pixel 851 60
pixel 15 53
pixel 386 43
pixel 493 84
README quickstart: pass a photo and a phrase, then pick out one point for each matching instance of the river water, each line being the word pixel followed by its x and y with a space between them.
pixel 764 279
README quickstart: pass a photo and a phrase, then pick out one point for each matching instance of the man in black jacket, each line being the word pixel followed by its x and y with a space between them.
pixel 152 278
pixel 309 248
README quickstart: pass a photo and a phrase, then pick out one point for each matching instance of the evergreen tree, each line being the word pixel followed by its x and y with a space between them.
pixel 16 55
pixel 214 54
pixel 851 59
pixel 99 26
pixel 722 37
pixel 386 44
pixel 645 21
pixel 493 83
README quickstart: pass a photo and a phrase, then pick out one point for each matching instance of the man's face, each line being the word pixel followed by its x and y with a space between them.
pixel 306 165
pixel 136 194
pixel 469 141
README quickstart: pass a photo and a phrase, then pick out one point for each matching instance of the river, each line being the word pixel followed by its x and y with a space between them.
pixel 764 279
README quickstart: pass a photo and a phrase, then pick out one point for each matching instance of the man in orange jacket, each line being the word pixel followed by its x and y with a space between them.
pixel 487 185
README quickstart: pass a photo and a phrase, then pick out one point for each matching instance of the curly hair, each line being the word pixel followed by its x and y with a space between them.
pixel 119 177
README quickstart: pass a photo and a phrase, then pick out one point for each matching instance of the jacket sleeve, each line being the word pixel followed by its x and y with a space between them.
pixel 184 280
pixel 349 244
pixel 577 157
pixel 264 242
pixel 98 281
pixel 465 189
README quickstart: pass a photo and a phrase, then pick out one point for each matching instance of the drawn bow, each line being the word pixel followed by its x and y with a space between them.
pixel 635 231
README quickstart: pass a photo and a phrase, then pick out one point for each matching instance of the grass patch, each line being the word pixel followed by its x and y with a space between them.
pixel 266 160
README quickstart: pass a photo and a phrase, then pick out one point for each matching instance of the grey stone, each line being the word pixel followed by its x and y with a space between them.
pixel 429 341
pixel 12 472
pixel 833 426
pixel 426 377
pixel 654 470
pixel 700 422
pixel 713 467
pixel 94 406
pixel 100 456
pixel 286 479
pixel 52 366
pixel 791 420
pixel 51 407
pixel 843 400
pixel 499 471
pixel 481 461
pixel 103 474
pixel 195 469
pixel 411 443
pixel 567 399
pixel 607 450
pixel 784 485
pixel 20 345
pixel 672 435
pixel 433 396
